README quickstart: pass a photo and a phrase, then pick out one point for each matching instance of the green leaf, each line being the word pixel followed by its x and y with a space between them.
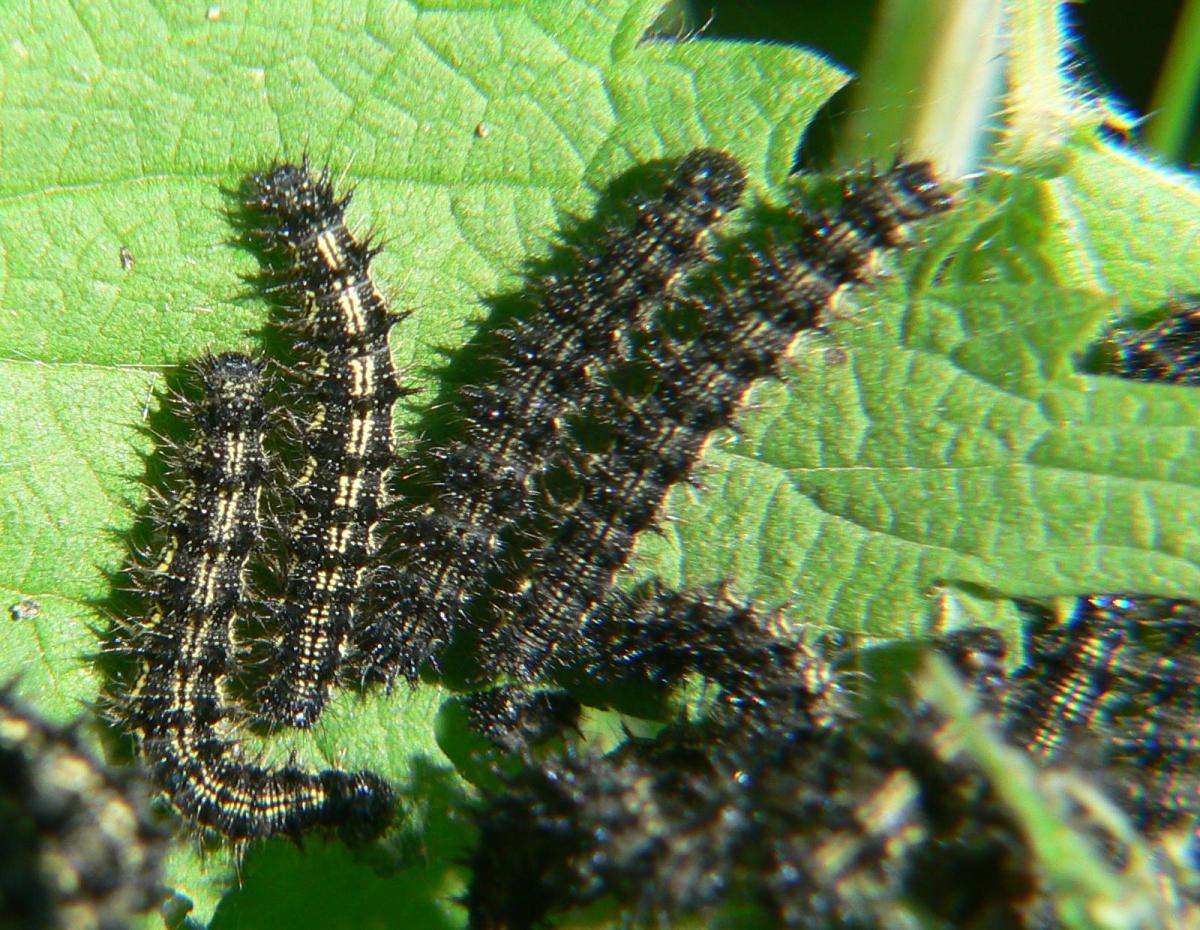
pixel 471 130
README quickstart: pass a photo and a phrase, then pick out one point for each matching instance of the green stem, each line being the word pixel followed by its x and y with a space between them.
pixel 1173 105
pixel 929 83
pixel 960 88
pixel 1040 99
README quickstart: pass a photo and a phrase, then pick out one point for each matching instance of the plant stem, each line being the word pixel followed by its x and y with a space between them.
pixel 929 82
pixel 1173 105
pixel 1040 100
pixel 961 87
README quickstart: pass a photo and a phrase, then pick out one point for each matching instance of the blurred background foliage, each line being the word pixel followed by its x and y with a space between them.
pixel 1121 51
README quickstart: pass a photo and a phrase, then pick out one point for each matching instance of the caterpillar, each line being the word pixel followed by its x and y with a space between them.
pixel 656 409
pixel 816 820
pixel 1116 681
pixel 485 485
pixel 82 848
pixel 1165 353
pixel 1109 688
pixel 846 823
pixel 345 387
pixel 178 706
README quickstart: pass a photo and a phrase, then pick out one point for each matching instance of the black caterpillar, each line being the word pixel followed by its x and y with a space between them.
pixel 178 707
pixel 1166 353
pixel 79 847
pixel 488 485
pixel 342 402
pixel 1111 688
pixel 605 401
pixel 818 820
pixel 652 411
pixel 818 824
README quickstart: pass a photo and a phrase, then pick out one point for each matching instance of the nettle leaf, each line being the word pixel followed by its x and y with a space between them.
pixel 472 130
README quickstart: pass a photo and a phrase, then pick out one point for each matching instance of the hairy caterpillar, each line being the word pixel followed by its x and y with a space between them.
pixel 80 847
pixel 178 706
pixel 345 389
pixel 487 484
pixel 656 407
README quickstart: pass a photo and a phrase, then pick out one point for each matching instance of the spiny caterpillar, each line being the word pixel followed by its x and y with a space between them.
pixel 647 413
pixel 487 485
pixel 79 849
pixel 1110 688
pixel 1166 353
pixel 179 707
pixel 344 392
pixel 820 824
pixel 1117 681
pixel 854 820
